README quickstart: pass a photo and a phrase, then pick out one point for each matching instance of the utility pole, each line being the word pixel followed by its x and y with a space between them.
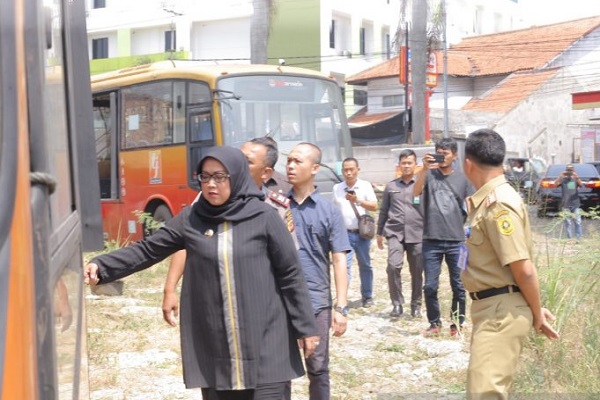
pixel 444 20
pixel 418 46
pixel 259 31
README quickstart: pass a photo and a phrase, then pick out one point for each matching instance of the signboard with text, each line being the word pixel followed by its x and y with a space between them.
pixel 405 68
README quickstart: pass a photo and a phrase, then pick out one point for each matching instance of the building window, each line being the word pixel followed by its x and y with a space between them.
pixel 170 40
pixel 387 48
pixel 99 48
pixel 478 21
pixel 99 3
pixel 360 97
pixel 362 41
pixel 395 100
pixel 332 35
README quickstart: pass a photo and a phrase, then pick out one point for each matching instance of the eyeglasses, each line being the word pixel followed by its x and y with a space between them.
pixel 218 177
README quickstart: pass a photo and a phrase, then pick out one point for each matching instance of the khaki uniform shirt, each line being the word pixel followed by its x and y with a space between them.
pixel 499 235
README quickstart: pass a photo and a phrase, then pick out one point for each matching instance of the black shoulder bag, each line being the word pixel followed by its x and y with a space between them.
pixel 366 224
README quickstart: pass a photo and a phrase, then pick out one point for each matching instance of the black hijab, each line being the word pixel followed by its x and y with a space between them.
pixel 245 200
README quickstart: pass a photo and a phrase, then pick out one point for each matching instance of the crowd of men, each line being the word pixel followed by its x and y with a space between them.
pixel 433 213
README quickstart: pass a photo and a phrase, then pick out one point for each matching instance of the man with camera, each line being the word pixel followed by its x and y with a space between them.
pixel 569 182
pixel 442 190
pixel 355 197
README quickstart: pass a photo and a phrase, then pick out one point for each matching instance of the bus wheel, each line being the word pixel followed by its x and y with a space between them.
pixel 160 215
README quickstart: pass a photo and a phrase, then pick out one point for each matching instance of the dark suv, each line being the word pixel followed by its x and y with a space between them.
pixel 549 196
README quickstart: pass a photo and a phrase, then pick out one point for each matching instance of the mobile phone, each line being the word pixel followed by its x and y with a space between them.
pixel 351 191
pixel 437 158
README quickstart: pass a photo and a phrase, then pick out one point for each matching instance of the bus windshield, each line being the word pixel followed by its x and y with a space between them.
pixel 291 109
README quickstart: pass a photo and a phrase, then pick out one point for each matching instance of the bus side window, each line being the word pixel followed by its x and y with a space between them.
pixel 103 133
pixel 179 107
pixel 201 127
pixel 148 115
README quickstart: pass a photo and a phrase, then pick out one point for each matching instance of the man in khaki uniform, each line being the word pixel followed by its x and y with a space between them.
pixel 499 274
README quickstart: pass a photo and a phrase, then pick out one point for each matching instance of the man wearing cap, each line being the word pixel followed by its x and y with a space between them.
pixel 569 182
pixel 498 271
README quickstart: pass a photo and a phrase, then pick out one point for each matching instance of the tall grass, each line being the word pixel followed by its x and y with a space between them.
pixel 570 285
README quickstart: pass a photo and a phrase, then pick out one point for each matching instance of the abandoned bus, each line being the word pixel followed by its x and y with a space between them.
pixel 154 122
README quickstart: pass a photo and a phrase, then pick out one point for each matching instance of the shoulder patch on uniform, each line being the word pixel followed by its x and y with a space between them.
pixel 490 199
pixel 504 223
pixel 279 199
pixel 289 220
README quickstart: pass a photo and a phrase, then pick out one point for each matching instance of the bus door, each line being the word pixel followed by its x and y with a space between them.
pixel 104 106
pixel 201 136
pixel 105 112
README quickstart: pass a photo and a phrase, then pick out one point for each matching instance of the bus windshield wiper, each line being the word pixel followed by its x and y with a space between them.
pixel 231 95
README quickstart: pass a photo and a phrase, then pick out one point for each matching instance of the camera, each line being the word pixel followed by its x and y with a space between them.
pixel 437 158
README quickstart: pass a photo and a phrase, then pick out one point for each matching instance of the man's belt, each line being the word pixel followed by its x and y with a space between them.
pixel 484 294
pixel 353 230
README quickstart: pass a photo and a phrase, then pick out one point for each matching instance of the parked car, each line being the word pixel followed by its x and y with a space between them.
pixel 595 164
pixel 524 175
pixel 549 195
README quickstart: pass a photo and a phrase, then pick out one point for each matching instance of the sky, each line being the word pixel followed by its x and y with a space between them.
pixel 543 12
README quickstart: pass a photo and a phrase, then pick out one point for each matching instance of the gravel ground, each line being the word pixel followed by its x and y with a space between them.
pixel 378 358
pixel 134 354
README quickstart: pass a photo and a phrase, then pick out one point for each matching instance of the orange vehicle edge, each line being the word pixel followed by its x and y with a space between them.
pixel 20 365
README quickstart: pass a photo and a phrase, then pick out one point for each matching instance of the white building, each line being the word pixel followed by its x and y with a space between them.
pixel 336 36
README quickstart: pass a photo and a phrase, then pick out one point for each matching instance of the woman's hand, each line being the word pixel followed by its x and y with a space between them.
pixel 90 274
pixel 170 307
pixel 309 345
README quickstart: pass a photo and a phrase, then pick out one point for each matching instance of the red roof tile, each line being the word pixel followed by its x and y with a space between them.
pixel 510 92
pixel 499 53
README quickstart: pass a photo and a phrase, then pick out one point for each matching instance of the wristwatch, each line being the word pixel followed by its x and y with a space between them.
pixel 342 310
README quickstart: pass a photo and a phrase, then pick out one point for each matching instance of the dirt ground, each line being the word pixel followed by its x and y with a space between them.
pixel 134 354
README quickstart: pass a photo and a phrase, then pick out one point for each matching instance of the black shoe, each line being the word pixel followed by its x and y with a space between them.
pixel 368 302
pixel 415 312
pixel 396 311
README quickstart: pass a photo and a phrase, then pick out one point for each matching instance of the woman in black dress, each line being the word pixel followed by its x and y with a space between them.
pixel 245 307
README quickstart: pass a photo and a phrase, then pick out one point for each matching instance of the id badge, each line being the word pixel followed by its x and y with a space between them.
pixel 417 200
pixel 463 257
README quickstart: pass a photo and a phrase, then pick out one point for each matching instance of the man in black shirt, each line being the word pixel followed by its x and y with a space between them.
pixel 443 190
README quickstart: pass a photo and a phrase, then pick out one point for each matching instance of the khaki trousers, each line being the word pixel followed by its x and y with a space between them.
pixel 500 325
